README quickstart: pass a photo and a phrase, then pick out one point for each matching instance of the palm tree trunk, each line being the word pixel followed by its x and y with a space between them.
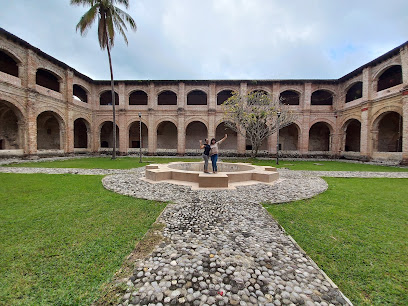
pixel 113 105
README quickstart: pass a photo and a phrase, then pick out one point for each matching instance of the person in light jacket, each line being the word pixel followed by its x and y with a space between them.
pixel 214 152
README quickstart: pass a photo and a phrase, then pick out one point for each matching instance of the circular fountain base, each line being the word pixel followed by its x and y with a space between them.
pixel 229 175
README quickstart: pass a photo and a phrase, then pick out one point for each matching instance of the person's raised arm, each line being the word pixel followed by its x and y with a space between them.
pixel 201 144
pixel 222 140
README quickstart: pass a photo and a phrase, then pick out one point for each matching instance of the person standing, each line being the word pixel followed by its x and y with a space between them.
pixel 214 152
pixel 206 153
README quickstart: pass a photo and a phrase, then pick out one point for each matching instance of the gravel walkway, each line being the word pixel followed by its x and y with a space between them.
pixel 221 247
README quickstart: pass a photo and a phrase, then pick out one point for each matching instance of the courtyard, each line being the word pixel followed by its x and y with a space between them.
pixel 76 242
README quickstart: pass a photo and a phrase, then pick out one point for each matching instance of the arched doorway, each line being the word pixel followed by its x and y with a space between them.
pixel 106 135
pixel 195 131
pixel 50 130
pixel 81 134
pixel 352 134
pixel 289 138
pixel 390 132
pixel 166 136
pixel 135 141
pixel 10 131
pixel 231 142
pixel 319 137
pixel 197 97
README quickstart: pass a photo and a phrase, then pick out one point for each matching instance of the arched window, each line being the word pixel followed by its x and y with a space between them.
pixel 322 97
pixel 197 97
pixel 389 78
pixel 167 98
pixel 138 97
pixel 106 98
pixel 223 96
pixel 355 92
pixel 80 93
pixel 47 79
pixel 8 64
pixel 290 97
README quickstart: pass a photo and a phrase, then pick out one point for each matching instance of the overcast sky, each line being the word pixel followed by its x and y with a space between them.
pixel 219 39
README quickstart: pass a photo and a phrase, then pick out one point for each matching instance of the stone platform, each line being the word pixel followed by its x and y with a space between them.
pixel 192 174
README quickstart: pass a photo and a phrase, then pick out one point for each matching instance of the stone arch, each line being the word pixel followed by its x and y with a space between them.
pixel 166 132
pixel 82 134
pixel 106 135
pixel 138 97
pixel 290 97
pixel 387 132
pixel 289 137
pixel 11 127
pixel 389 77
pixel 105 98
pixel 352 135
pixel 9 63
pixel 223 96
pixel 167 97
pixel 135 141
pixel 196 97
pixel 80 93
pixel 48 79
pixel 320 136
pixel 322 97
pixel 261 90
pixel 354 91
pixel 231 142
pixel 50 131
pixel 195 130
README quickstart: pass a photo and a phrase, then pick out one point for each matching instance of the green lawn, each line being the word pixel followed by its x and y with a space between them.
pixel 63 236
pixel 357 232
pixel 102 162
pixel 321 165
pixel 133 162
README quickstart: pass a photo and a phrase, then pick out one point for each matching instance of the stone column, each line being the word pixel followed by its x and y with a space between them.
pixel 31 124
pixel 212 97
pixel 181 97
pixel 404 64
pixel 69 134
pixel 31 69
pixel 307 97
pixel 122 96
pixel 366 84
pixel 241 144
pixel 151 97
pixel 123 132
pixel 272 142
pixel 211 123
pixel 181 132
pixel 405 127
pixel 365 150
pixel 152 134
pixel 304 133
pixel 243 88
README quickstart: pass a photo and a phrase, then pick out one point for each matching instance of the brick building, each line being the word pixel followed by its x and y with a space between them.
pixel 47 107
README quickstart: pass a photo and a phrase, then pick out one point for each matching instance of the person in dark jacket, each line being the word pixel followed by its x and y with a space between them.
pixel 206 153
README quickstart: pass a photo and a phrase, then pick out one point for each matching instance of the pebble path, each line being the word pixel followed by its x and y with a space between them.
pixel 221 247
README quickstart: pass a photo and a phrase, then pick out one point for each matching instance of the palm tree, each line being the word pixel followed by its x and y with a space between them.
pixel 110 17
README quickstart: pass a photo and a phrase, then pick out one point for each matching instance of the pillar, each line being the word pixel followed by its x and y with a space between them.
pixel 151 134
pixel 405 127
pixel 181 133
pixel 365 150
pixel 31 124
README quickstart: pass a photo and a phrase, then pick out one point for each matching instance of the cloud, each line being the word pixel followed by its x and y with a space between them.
pixel 219 39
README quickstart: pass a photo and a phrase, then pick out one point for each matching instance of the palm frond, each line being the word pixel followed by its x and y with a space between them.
pixel 125 3
pixel 87 20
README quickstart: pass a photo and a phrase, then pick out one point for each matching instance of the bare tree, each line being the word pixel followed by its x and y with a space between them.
pixel 255 116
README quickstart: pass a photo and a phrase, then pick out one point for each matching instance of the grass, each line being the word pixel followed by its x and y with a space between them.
pixel 317 165
pixel 357 232
pixel 133 162
pixel 62 237
pixel 101 162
